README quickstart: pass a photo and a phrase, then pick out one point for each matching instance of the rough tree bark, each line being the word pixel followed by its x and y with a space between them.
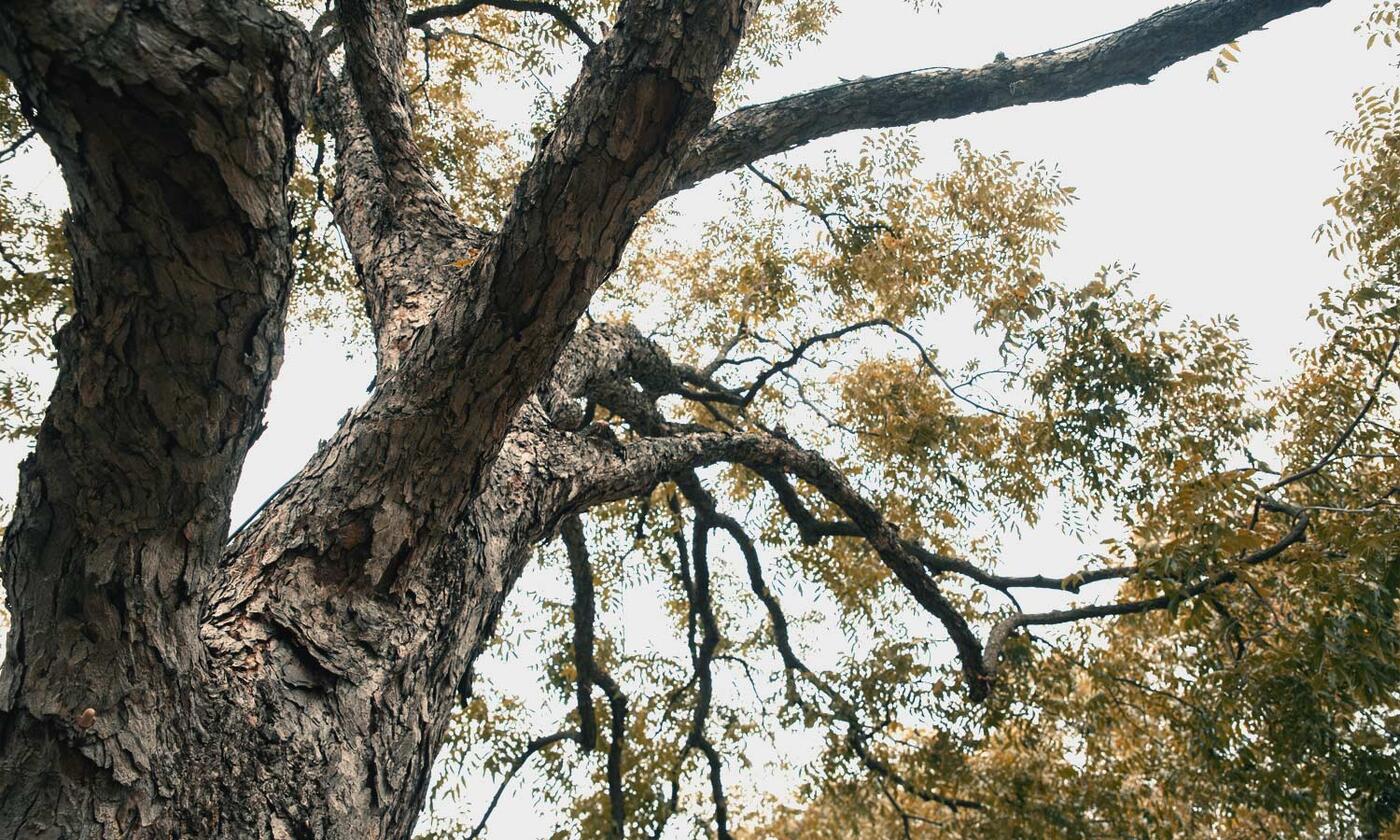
pixel 295 682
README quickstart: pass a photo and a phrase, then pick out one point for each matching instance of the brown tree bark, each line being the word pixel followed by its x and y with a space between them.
pixel 163 681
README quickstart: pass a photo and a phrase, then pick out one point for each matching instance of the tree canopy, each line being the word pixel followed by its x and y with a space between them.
pixel 825 552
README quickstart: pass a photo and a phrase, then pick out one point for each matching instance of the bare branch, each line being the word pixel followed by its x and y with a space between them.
pixel 999 635
pixel 709 640
pixel 857 735
pixel 812 530
pixel 590 674
pixel 11 149
pixel 1131 55
pixel 806 344
pixel 617 707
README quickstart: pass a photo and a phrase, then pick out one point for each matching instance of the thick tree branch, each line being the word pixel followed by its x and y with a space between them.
pixel 389 248
pixel 1131 55
pixel 375 51
pixel 639 99
pixel 373 565
pixel 406 465
pixel 173 125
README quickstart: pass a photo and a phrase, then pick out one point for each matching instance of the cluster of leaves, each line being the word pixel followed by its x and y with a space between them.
pixel 1229 54
pixel 34 283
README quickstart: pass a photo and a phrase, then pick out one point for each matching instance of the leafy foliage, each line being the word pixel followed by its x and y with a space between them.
pixel 34 286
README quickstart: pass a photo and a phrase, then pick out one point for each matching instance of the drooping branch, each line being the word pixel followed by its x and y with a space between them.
pixel 1131 55
pixel 775 458
pixel 617 716
pixel 858 735
pixel 702 606
pixel 769 451
pixel 859 740
pixel 571 531
pixel 883 536
pixel 590 673
pixel 812 530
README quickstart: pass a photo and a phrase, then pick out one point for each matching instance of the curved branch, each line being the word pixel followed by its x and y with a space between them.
pixel 1001 633
pixel 857 735
pixel 812 530
pixel 883 536
pixel 516 766
pixel 703 606
pixel 1131 55
pixel 1373 395
pixel 423 17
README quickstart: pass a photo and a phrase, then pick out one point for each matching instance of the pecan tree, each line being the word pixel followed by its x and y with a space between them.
pixel 297 678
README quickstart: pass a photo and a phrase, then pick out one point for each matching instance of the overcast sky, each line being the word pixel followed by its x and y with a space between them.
pixel 1211 190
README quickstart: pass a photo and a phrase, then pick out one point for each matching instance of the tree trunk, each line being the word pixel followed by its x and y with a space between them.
pixel 298 681
pixel 176 158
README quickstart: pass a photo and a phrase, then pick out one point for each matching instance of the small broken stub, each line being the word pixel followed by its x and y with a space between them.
pixel 85 719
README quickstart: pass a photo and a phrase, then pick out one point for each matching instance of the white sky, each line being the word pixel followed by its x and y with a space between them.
pixel 1212 191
